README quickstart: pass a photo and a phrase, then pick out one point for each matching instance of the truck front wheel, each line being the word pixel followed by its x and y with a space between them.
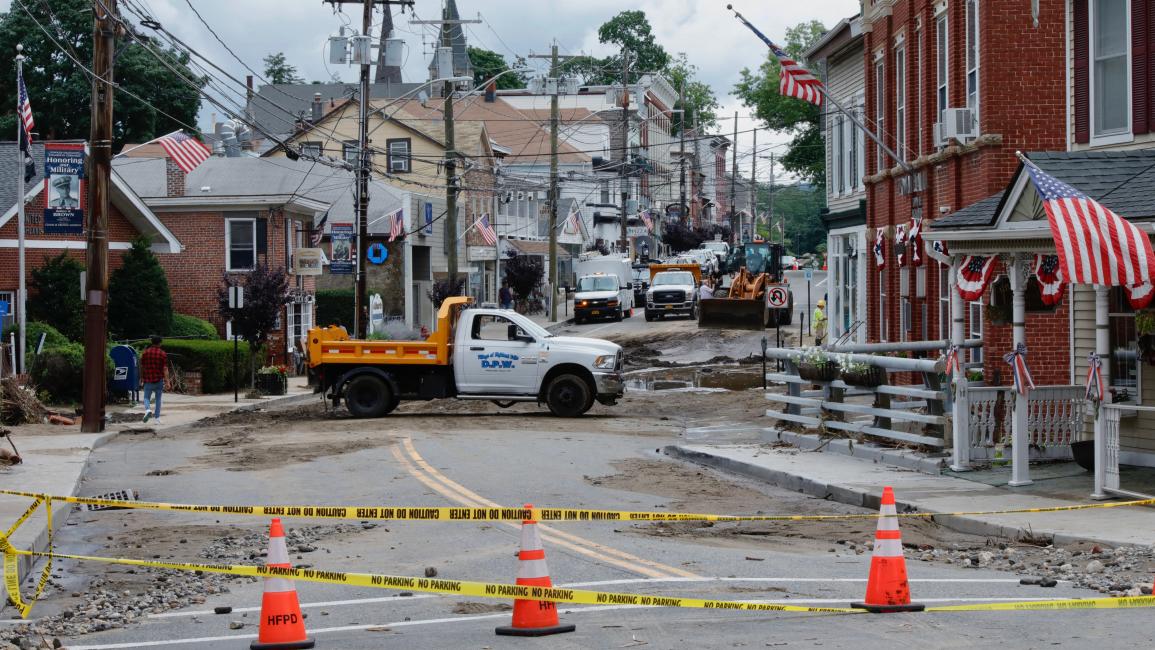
pixel 568 396
pixel 367 396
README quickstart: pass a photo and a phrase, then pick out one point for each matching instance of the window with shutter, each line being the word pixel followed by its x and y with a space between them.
pixel 1110 72
pixel 1140 86
pixel 1082 78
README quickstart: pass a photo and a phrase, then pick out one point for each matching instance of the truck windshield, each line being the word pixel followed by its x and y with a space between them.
pixel 715 246
pixel 598 283
pixel 673 278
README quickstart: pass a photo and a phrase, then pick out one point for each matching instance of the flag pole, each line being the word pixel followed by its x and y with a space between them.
pixel 822 89
pixel 22 301
pixel 145 144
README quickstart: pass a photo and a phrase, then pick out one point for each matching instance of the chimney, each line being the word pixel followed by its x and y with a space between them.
pixel 316 107
pixel 174 178
pixel 491 92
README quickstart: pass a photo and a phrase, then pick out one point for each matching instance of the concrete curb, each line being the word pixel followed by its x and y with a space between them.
pixel 870 500
pixel 847 447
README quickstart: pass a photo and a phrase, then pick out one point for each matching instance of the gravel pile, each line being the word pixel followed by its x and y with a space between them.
pixel 105 606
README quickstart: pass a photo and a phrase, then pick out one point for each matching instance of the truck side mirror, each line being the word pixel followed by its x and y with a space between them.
pixel 513 333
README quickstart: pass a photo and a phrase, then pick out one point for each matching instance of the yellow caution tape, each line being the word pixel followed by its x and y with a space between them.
pixel 442 513
pixel 551 594
pixel 433 585
pixel 11 561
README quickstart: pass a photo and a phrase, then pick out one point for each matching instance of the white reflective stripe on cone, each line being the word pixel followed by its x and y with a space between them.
pixel 532 569
pixel 278 552
pixel 275 585
pixel 887 523
pixel 888 548
pixel 530 538
pixel 888 509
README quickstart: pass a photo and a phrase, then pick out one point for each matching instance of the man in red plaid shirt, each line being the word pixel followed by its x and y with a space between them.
pixel 153 371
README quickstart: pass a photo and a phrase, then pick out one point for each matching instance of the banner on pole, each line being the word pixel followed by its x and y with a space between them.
pixel 341 237
pixel 64 188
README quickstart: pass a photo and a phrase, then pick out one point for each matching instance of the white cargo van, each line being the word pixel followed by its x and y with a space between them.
pixel 604 288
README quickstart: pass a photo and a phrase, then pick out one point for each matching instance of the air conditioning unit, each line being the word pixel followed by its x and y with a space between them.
pixel 958 123
pixel 521 196
pixel 541 196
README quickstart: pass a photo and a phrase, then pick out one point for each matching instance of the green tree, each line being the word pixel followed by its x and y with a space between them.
pixel 806 155
pixel 698 97
pixel 60 92
pixel 55 290
pixel 799 208
pixel 278 70
pixel 631 32
pixel 266 294
pixel 488 64
pixel 139 302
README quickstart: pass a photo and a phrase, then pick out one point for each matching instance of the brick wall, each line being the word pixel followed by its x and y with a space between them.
pixel 1021 107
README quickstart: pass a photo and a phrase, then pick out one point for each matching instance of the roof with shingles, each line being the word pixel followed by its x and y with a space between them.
pixel 1123 181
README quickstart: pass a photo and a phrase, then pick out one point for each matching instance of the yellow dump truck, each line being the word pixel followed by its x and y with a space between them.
pixel 487 354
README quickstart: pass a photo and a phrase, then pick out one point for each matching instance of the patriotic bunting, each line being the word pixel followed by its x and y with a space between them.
pixel 1018 360
pixel 952 362
pixel 900 244
pixel 939 247
pixel 916 244
pixel 1050 277
pixel 880 249
pixel 974 276
pixel 647 220
pixel 1095 387
pixel 1140 296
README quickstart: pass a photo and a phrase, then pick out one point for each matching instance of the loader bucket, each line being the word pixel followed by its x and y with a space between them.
pixel 732 313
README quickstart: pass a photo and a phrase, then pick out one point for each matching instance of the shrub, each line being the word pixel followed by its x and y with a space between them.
pixel 59 371
pixel 185 326
pixel 446 288
pixel 56 300
pixel 53 338
pixel 213 359
pixel 139 302
pixel 335 307
pixel 523 273
pixel 266 294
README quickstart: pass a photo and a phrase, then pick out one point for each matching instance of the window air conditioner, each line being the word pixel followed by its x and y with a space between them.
pixel 521 196
pixel 958 123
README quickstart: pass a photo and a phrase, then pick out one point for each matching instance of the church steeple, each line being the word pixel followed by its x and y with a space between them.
pixel 462 67
pixel 386 73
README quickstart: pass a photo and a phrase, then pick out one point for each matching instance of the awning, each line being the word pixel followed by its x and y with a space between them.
pixel 541 248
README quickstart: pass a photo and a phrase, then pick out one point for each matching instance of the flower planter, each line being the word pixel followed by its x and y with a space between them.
pixel 272 384
pixel 1083 451
pixel 872 377
pixel 825 371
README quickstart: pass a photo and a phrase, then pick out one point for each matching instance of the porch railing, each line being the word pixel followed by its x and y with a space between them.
pixel 1055 414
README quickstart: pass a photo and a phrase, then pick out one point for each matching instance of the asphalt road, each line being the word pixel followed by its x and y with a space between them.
pixel 428 456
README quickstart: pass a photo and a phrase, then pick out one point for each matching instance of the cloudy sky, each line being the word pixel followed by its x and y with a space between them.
pixel 712 39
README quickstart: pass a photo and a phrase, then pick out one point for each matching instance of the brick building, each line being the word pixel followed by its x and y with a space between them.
pixel 955 87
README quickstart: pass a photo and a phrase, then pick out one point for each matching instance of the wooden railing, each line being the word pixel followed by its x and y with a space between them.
pixel 1055 415
pixel 889 404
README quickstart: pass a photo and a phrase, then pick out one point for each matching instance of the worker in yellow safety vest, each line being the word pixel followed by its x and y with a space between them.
pixel 818 321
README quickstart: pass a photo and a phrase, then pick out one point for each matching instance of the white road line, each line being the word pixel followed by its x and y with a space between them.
pixel 482 617
pixel 595 583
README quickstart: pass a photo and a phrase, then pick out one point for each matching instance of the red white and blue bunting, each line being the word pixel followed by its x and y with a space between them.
pixel 916 243
pixel 880 248
pixel 974 276
pixel 1095 385
pixel 952 362
pixel 900 244
pixel 1139 296
pixel 1050 277
pixel 1018 360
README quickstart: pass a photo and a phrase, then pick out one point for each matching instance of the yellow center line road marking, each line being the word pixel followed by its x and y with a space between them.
pixel 458 493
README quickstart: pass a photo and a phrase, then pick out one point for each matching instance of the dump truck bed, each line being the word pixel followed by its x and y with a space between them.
pixel 332 345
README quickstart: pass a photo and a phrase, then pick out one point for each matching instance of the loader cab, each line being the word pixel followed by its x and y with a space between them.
pixel 757 257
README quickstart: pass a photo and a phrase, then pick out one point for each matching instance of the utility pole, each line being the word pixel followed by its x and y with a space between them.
pixel 361 301
pixel 623 176
pixel 682 208
pixel 100 171
pixel 754 189
pixel 553 120
pixel 736 229
pixel 770 218
pixel 450 164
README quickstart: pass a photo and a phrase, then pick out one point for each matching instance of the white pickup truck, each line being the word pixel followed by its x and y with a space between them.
pixel 495 355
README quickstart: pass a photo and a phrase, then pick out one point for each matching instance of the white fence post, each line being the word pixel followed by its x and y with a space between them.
pixel 961 414
pixel 1020 437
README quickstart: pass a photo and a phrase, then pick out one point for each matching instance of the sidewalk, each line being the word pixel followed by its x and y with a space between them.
pixel 859 482
pixel 564 315
pixel 55 456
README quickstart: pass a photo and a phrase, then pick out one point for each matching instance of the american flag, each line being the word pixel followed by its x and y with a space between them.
pixel 25 107
pixel 647 220
pixel 396 224
pixel 1095 245
pixel 486 230
pixel 187 152
pixel 318 231
pixel 796 81
pixel 574 222
pixel 974 275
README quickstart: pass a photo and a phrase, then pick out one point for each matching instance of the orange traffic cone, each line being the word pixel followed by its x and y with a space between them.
pixel 282 626
pixel 533 617
pixel 887 589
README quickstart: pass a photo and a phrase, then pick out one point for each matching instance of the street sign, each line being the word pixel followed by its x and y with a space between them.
pixel 377 253
pixel 809 274
pixel 307 261
pixel 637 231
pixel 236 297
pixel 777 297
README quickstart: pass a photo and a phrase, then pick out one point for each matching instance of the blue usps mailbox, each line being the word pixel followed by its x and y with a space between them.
pixel 125 372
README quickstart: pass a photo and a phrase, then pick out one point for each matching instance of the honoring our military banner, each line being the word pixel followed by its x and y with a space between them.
pixel 64 188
